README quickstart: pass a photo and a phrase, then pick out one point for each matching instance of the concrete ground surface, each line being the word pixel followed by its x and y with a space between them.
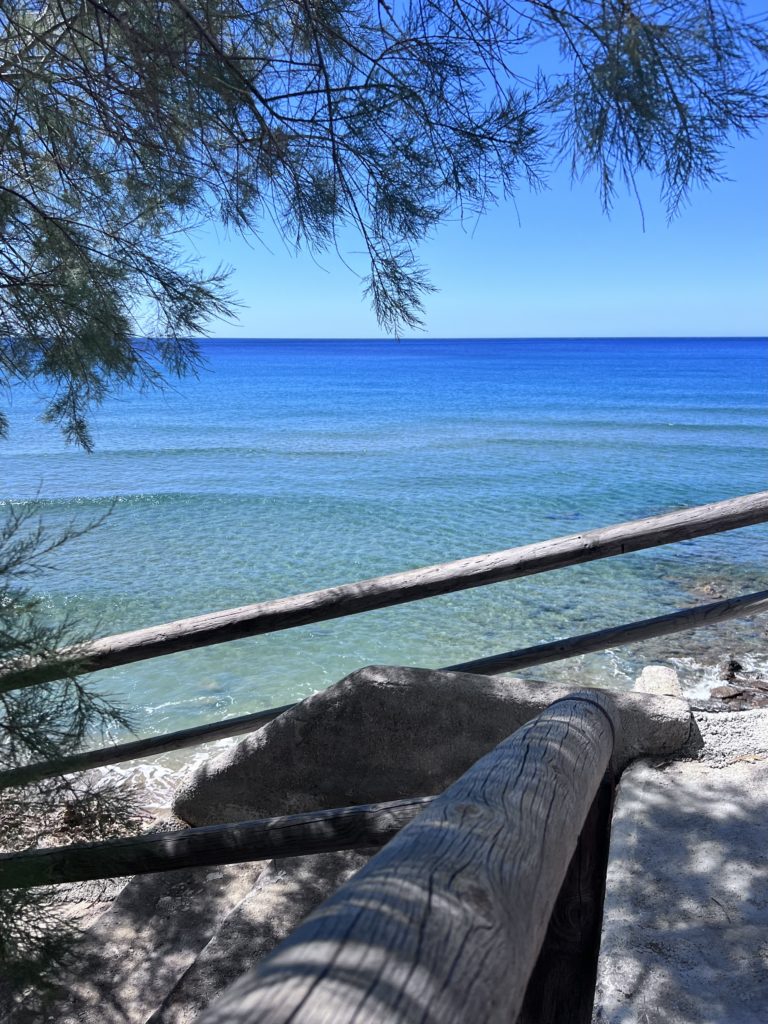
pixel 685 929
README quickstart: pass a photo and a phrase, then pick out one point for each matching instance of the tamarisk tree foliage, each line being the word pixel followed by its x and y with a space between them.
pixel 41 723
pixel 125 122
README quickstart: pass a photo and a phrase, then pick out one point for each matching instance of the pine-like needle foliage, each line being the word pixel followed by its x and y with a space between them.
pixel 127 121
pixel 40 723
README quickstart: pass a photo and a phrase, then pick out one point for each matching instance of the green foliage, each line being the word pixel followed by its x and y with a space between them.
pixel 659 87
pixel 127 121
pixel 41 723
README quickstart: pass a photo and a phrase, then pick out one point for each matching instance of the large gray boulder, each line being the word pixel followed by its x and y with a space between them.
pixel 389 733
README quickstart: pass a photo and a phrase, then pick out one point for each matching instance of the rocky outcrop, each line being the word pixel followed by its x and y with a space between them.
pixel 742 689
pixel 171 942
pixel 390 733
pixel 126 962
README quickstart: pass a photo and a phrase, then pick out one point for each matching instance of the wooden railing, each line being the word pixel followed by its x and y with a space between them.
pixel 385 591
pixel 541 654
pixel 446 924
pixel 401 588
pixel 290 835
pixel 478 888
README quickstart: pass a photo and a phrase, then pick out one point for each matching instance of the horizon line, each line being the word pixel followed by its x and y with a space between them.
pixel 492 337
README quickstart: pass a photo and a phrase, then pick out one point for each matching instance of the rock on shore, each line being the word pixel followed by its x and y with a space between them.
pixel 386 733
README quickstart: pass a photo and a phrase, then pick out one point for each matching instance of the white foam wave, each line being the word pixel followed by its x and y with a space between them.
pixel 698 679
pixel 151 784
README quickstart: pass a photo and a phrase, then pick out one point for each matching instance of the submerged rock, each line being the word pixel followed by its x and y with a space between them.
pixel 729 667
pixel 743 689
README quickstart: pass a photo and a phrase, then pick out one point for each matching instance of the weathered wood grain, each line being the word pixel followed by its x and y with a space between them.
pixel 292 835
pixel 617 636
pixel 445 924
pixel 402 587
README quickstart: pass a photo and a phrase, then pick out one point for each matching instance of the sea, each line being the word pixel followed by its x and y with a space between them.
pixel 291 465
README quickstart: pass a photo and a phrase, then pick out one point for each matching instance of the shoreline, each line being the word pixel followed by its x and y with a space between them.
pixel 154 779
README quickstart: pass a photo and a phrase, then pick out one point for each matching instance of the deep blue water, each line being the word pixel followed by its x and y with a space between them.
pixel 291 465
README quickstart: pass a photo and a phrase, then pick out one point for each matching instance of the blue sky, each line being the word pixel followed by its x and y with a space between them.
pixel 549 265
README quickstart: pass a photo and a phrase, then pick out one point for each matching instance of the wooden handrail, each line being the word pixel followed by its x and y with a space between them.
pixel 291 835
pixel 617 636
pixel 557 650
pixel 400 588
pixel 445 924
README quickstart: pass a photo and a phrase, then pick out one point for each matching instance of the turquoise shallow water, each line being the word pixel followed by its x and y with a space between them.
pixel 291 465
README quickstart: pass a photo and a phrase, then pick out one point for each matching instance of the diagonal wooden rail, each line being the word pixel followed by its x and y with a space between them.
pixel 290 835
pixel 147 747
pixel 557 650
pixel 400 588
pixel 445 925
pixel 618 636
